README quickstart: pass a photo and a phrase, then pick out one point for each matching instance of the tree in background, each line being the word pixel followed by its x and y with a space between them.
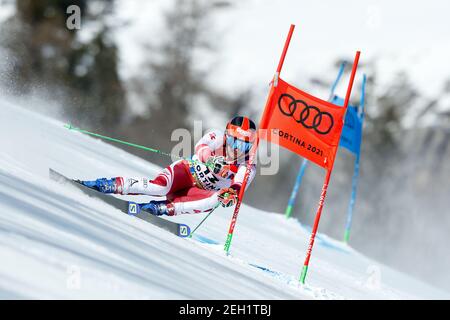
pixel 174 83
pixel 46 56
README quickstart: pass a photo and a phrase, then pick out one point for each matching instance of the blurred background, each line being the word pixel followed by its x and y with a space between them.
pixel 137 70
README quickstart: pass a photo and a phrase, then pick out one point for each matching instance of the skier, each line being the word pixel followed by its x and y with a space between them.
pixel 213 175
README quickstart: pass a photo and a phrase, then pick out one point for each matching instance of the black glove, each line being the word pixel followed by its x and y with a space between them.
pixel 228 197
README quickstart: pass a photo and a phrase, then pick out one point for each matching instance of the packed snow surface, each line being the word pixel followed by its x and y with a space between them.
pixel 56 242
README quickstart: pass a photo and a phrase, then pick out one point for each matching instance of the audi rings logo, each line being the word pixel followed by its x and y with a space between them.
pixel 308 116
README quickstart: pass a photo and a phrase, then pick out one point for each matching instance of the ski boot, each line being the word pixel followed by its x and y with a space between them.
pixel 102 185
pixel 159 208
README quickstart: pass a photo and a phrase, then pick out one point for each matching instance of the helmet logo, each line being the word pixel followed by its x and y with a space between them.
pixel 243 132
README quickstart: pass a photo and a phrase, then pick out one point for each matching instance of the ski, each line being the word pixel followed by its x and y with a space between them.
pixel 127 207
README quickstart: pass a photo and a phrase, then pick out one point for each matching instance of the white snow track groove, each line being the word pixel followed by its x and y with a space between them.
pixel 56 242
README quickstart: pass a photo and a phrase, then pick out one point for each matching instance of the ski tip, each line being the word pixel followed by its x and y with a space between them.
pixel 53 173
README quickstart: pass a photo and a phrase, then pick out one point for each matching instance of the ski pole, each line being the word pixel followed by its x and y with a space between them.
pixel 70 127
pixel 217 205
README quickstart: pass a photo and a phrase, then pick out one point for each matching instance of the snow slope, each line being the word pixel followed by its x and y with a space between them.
pixel 55 242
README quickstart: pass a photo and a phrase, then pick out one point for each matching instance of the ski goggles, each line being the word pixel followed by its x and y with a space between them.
pixel 241 145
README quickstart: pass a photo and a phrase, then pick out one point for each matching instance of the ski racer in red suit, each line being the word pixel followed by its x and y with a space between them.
pixel 214 174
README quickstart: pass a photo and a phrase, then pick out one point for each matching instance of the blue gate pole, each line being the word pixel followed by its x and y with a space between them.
pixel 356 169
pixel 348 225
pixel 333 87
pixel 301 172
pixel 298 182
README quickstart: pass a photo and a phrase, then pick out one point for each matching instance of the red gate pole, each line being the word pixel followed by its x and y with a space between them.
pixel 352 77
pixel 315 227
pixel 326 182
pixel 238 204
pixel 253 155
pixel 266 116
pixel 286 46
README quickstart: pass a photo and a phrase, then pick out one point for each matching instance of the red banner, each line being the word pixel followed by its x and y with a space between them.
pixel 302 123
